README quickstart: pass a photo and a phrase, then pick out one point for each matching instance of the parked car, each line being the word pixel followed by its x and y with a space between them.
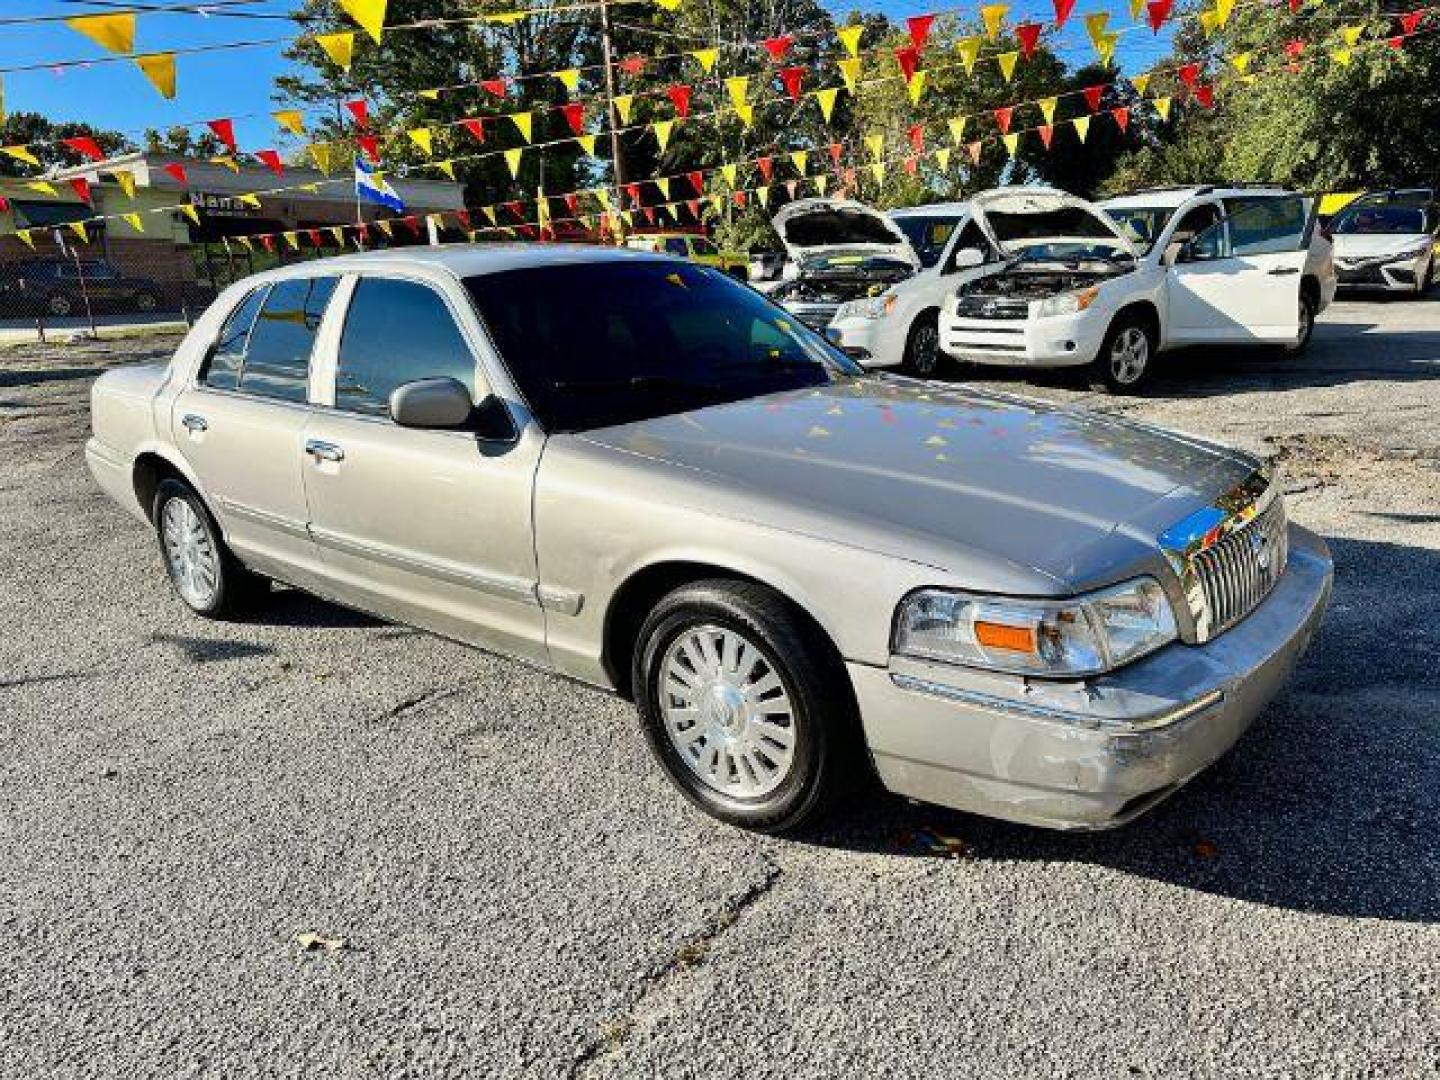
pixel 698 249
pixel 1387 239
pixel 839 250
pixel 57 288
pixel 644 475
pixel 1108 287
pixel 900 327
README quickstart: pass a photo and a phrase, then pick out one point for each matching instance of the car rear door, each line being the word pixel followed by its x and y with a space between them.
pixel 1239 280
pixel 240 425
pixel 427 527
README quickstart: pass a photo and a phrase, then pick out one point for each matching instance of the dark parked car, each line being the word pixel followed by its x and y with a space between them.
pixel 53 287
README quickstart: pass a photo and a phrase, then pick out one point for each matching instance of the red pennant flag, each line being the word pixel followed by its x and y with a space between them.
pixel 1205 95
pixel 679 95
pixel 974 149
pixel 1047 132
pixel 178 172
pixel 1411 20
pixel 849 178
pixel 1062 11
pixel 1396 42
pixel 697 181
pixel 224 131
pixel 790 188
pixel 1294 47
pixel 794 79
pixel 362 230
pixel 271 160
pixel 476 126
pixel 1028 34
pixel 360 110
pixel 777 47
pixel 1122 117
pixel 633 190
pixel 371 146
pixel 82 188
pixel 1188 74
pixel 916 134
pixel 86 147
pixel 632 65
pixel 693 205
pixel 572 203
pixel 516 209
pixel 412 223
pixel 268 242
pixel 739 198
pixel 1002 117
pixel 908 57
pixel 835 150
pixel 494 87
pixel 911 163
pixel 463 217
pixel 527 231
pixel 766 167
pixel 315 239
pixel 919 27
pixel 575 116
pixel 650 214
pixel 1092 96
pixel 1295 6
pixel 1157 11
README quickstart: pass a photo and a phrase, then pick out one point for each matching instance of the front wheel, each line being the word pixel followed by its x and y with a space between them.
pixel 206 576
pixel 922 347
pixel 1125 358
pixel 744 705
pixel 1307 326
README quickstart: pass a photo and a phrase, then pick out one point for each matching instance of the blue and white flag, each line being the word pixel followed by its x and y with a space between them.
pixel 371 185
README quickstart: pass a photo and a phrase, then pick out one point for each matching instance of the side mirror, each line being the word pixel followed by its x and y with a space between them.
pixel 968 258
pixel 431 403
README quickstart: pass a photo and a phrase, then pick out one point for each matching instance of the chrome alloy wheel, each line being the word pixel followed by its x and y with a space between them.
pixel 727 712
pixel 1129 355
pixel 194 562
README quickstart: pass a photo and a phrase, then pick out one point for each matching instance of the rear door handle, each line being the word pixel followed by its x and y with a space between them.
pixel 324 451
pixel 191 422
pixel 1284 271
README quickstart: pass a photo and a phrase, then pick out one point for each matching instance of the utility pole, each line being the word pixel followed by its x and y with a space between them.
pixel 617 161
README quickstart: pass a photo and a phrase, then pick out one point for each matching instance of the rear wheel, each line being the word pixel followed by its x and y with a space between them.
pixel 59 305
pixel 206 576
pixel 922 347
pixel 146 301
pixel 1123 364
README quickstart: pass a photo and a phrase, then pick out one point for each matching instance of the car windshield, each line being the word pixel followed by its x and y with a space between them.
pixel 1140 224
pixel 1381 219
pixel 596 344
pixel 1067 251
pixel 927 235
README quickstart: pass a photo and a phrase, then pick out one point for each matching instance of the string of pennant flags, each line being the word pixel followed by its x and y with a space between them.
pixel 612 212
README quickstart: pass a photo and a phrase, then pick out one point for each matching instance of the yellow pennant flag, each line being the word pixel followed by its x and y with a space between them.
pixel 339 47
pixel 126 180
pixel 669 5
pixel 602 195
pixel 313 189
pixel 1209 22
pixel 706 58
pixel 448 168
pixel 1223 8
pixel 1342 57
pixel 662 129
pixel 512 159
pixel 876 143
pixel 23 235
pixel 323 154
pixel 1162 106
pixel 293 239
pixel 429 95
pixel 717 203
pixel 133 220
pixel 569 78
pixel 227 161
pixel 190 212
pixel 1095 24
pixel 523 123
pixel 291 120
pixel 942 158
pixel 1241 62
pixel 623 104
pixel 1105 47
pixel 159 68
pixel 1007 62
pixel 994 15
pixel 826 98
pixel 338 233
pixel 1047 109
pixel 1141 83
pixel 957 128
pixel 746 113
pixel 44 187
pixel 1351 34
pixel 587 143
pixel 877 170
pixel 1082 126
pixel 822 181
pixel 1136 7
pixel 385 226
pixel 728 171
pixel 78 228
pixel 800 159
pixel 424 138
pixel 246 243
pixel 916 87
pixel 370 14
pixel 20 153
pixel 738 87
pixel 250 200
pixel 969 50
pixel 115 33
pixel 850 37
pixel 763 194
pixel 850 71
pixel 663 183
pixel 489 212
pixel 1012 141
pixel 506 18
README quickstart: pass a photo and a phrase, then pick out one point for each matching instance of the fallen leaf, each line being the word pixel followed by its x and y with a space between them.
pixel 310 942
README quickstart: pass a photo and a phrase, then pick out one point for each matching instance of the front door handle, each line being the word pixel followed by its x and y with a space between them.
pixel 1284 271
pixel 192 422
pixel 324 451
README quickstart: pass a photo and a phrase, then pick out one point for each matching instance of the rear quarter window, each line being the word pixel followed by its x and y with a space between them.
pixel 277 358
pixel 222 370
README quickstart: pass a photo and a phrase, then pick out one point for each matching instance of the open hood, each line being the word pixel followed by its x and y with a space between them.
pixel 812 228
pixel 1018 217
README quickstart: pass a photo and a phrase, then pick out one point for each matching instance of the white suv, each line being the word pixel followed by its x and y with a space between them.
pixel 1110 286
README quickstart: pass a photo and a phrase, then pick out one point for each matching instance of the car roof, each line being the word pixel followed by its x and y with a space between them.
pixel 931 209
pixel 1172 197
pixel 467 260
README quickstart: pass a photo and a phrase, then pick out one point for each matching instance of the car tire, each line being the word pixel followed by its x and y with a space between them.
pixel 146 302
pixel 1307 327
pixel 204 572
pixel 923 358
pixel 1126 357
pixel 745 705
pixel 59 306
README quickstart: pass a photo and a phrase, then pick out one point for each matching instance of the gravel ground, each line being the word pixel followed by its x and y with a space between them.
pixel 511 889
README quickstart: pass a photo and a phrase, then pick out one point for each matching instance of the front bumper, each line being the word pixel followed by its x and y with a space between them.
pixel 1094 754
pixel 1054 341
pixel 1395 275
pixel 871 342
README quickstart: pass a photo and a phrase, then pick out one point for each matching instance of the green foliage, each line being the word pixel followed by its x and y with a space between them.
pixel 43 135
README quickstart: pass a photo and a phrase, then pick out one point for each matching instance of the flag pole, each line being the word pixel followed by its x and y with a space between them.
pixel 617 161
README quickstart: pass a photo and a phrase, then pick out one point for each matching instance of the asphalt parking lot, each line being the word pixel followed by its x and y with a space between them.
pixel 511 889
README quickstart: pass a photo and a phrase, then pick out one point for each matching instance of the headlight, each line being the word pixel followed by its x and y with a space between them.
pixel 1067 303
pixel 1082 636
pixel 872 307
pixel 1411 253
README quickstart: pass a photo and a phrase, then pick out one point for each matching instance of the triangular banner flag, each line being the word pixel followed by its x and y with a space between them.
pixel 574 113
pixel 1082 126
pixel 133 220
pixel 850 71
pixel 800 159
pixel 1157 11
pixel 292 120
pixel 370 14
pixel 876 143
pixel 1028 34
pixel 994 16
pixel 826 99
pixel 850 38
pixel 1047 134
pixel 1095 24
pixel 1162 106
pixel 942 158
pixel 706 59
pixel 424 138
pixel 1047 108
pixel 1012 142
pixel 1351 34
pixel 1003 116
pixel 662 130
pixel 1007 62
pixel 1223 8
pixel 623 104
pixel 738 87
pixel 523 123
pixel 969 50
pixel 78 228
pixel 587 143
pixel 916 86
pixel 746 113
pixel 512 159
pixel 159 68
pixel 919 27
pixel 1240 62
pixel 20 153
pixel 1141 83
pixel 190 212
pixel 115 33
pixel 957 128
pixel 679 95
pixel 569 78
pixel 224 130
pixel 793 79
pixel 1063 8
pixel 1122 117
pixel 340 48
pixel 126 180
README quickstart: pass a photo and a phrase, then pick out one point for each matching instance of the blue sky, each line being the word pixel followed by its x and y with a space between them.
pixel 237 82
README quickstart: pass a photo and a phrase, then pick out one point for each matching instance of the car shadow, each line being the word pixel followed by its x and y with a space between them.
pixel 36 376
pixel 1330 804
pixel 294 607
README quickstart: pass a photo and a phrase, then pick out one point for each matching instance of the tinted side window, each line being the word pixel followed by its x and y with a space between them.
pixel 222 370
pixel 676 246
pixel 1264 226
pixel 277 361
pixel 397 332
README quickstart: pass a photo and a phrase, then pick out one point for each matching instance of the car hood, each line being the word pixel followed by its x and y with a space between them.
pixel 817 228
pixel 954 478
pixel 1006 216
pixel 1373 245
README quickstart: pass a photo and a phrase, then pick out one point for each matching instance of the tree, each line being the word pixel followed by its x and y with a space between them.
pixel 42 136
pixel 183 142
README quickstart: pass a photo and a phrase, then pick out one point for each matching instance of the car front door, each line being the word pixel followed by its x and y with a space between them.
pixel 1238 280
pixel 429 527
pixel 240 425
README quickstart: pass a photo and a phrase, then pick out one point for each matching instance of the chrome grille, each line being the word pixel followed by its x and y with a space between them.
pixel 989 307
pixel 1239 570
